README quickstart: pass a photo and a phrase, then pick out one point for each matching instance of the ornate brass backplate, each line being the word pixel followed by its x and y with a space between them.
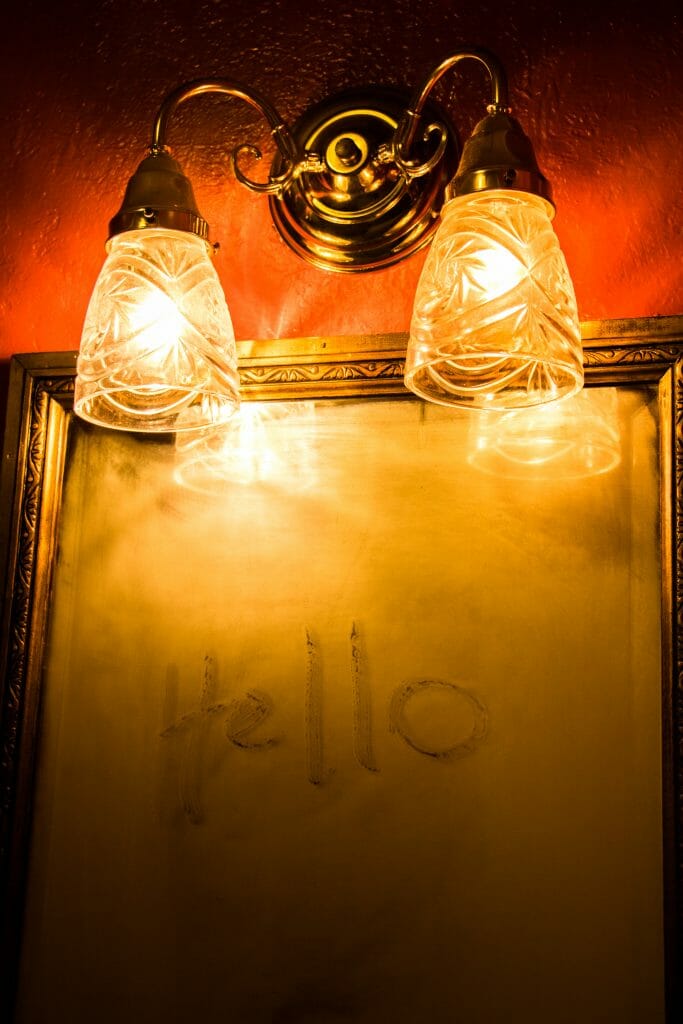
pixel 350 211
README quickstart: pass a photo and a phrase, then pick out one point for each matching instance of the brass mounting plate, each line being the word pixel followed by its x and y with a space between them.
pixel 354 212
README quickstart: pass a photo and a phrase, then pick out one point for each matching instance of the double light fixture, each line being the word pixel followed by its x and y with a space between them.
pixel 356 185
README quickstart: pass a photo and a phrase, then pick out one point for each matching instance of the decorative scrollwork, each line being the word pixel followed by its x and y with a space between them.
pixel 312 373
pixel 272 187
pixel 227 87
pixel 24 583
pixel 276 184
pixel 414 169
pixel 20 610
pixel 623 355
pixel 407 129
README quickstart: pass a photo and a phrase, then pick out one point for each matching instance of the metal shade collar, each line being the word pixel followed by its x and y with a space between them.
pixel 498 155
pixel 159 196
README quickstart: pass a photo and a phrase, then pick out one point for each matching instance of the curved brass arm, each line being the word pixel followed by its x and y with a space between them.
pixel 225 86
pixel 406 131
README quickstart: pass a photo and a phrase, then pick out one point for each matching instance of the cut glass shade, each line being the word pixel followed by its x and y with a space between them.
pixel 495 324
pixel 158 349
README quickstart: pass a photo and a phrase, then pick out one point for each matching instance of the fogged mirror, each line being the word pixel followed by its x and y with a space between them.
pixel 346 718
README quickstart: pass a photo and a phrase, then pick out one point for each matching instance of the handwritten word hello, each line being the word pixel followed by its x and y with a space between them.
pixel 244 714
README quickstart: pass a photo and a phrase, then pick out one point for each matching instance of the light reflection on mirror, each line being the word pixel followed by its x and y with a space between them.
pixel 278 445
pixel 264 443
pixel 565 440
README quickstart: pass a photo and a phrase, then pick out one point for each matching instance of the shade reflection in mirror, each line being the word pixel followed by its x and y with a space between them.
pixel 265 443
pixel 570 439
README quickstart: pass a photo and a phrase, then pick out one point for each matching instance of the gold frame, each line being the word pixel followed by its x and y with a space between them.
pixel 646 351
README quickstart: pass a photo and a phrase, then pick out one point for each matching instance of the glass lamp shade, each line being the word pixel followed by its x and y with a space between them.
pixel 495 324
pixel 158 349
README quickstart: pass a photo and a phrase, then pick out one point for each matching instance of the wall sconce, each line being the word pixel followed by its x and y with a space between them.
pixel 355 186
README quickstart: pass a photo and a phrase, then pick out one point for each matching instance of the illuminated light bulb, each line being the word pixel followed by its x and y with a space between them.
pixel 495 323
pixel 158 349
pixel 494 271
pixel 576 437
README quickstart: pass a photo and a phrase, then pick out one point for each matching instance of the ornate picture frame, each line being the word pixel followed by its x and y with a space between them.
pixel 644 352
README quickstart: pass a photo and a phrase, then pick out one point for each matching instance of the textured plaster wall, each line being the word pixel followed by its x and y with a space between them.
pixel 598 87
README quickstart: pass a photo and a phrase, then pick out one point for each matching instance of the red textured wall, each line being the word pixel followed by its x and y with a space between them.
pixel 597 86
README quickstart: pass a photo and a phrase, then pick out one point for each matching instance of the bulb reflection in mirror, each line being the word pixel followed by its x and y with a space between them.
pixel 265 443
pixel 566 440
pixel 158 349
pixel 495 323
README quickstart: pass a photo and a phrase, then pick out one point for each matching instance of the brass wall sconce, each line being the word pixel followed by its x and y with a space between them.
pixel 355 186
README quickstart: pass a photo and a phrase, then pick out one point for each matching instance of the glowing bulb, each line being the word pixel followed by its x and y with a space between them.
pixel 495 323
pixel 495 271
pixel 156 330
pixel 158 350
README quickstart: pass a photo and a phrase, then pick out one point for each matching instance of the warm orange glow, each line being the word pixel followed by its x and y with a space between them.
pixel 573 438
pixel 493 272
pixel 156 330
pixel 158 350
pixel 618 215
pixel 266 443
pixel 495 323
